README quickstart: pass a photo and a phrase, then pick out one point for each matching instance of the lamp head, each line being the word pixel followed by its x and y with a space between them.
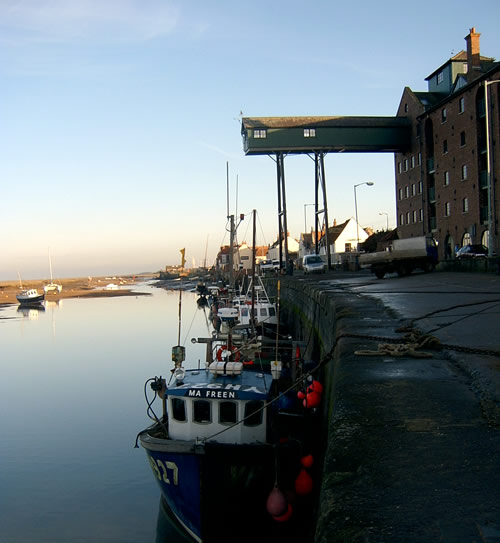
pixel 370 183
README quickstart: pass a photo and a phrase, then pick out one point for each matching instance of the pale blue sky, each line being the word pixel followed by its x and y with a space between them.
pixel 117 118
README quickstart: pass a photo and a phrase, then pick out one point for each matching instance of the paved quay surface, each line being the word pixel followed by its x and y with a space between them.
pixel 413 453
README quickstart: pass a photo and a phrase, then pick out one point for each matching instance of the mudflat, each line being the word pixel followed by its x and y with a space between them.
pixel 73 288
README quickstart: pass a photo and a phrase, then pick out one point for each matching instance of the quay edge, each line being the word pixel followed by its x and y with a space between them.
pixel 408 454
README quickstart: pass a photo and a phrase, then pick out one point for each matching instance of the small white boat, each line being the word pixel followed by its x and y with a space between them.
pixel 52 288
pixel 30 297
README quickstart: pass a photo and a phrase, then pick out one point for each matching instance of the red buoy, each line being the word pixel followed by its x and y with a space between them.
pixel 303 483
pixel 315 386
pixel 301 395
pixel 307 461
pixel 312 399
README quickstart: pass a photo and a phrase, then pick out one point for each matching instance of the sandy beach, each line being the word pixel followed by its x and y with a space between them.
pixel 73 288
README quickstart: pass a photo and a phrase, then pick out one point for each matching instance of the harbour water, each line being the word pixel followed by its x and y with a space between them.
pixel 71 404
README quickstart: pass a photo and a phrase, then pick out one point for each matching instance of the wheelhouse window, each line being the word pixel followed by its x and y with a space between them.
pixel 260 133
pixel 202 412
pixel 253 413
pixel 272 312
pixel 227 412
pixel 178 409
pixel 309 132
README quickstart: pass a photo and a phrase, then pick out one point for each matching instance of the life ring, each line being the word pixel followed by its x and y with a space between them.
pixel 234 350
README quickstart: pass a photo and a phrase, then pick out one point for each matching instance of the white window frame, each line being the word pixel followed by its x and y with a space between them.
pixel 259 133
pixel 309 132
pixel 461 105
pixel 464 172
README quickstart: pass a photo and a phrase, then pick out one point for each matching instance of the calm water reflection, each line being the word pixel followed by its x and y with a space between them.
pixel 71 404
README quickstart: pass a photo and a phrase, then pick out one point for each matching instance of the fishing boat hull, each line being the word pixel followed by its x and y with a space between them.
pixel 217 490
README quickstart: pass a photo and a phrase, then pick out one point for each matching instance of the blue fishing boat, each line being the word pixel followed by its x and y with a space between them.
pixel 232 448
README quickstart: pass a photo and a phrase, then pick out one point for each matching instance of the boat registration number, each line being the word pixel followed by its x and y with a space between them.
pixel 166 472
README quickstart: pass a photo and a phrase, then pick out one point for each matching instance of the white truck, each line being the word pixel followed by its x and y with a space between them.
pixel 402 256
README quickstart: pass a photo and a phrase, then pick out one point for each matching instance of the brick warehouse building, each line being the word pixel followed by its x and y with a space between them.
pixel 442 179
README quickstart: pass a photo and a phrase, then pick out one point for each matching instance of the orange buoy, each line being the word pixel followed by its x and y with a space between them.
pixel 285 516
pixel 276 504
pixel 303 483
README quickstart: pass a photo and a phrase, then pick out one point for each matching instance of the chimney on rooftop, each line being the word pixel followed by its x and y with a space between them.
pixel 473 54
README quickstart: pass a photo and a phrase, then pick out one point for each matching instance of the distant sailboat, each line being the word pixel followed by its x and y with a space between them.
pixel 52 288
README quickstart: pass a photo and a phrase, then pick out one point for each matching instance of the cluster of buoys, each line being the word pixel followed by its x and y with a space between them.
pixel 312 396
pixel 277 504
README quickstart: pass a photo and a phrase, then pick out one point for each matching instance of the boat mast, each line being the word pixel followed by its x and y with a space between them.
pixel 231 227
pixel 254 254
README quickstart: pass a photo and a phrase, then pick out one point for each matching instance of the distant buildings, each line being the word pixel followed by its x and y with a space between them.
pixel 442 178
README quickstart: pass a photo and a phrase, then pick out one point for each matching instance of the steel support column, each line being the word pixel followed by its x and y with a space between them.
pixel 282 220
pixel 320 181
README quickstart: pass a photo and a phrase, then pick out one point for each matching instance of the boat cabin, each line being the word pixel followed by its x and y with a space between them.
pixel 208 406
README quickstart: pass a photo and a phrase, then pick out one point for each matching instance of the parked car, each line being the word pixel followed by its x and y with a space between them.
pixel 472 251
pixel 266 266
pixel 313 264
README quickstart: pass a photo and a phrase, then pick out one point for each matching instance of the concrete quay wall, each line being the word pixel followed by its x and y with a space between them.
pixel 408 455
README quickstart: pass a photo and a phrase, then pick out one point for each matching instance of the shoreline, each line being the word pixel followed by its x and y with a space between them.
pixel 80 287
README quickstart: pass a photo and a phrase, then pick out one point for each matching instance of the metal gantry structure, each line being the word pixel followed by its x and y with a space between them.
pixel 315 137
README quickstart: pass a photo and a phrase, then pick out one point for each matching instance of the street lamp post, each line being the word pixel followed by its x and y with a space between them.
pixel 370 184
pixel 387 217
pixel 305 222
pixel 491 226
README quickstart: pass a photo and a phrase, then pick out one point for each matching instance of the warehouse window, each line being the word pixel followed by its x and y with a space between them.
pixel 444 115
pixel 259 133
pixel 465 205
pixel 446 178
pixel 464 172
pixel 309 132
pixel 447 209
pixel 461 105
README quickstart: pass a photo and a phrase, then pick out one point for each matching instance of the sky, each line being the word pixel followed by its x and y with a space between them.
pixel 119 119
